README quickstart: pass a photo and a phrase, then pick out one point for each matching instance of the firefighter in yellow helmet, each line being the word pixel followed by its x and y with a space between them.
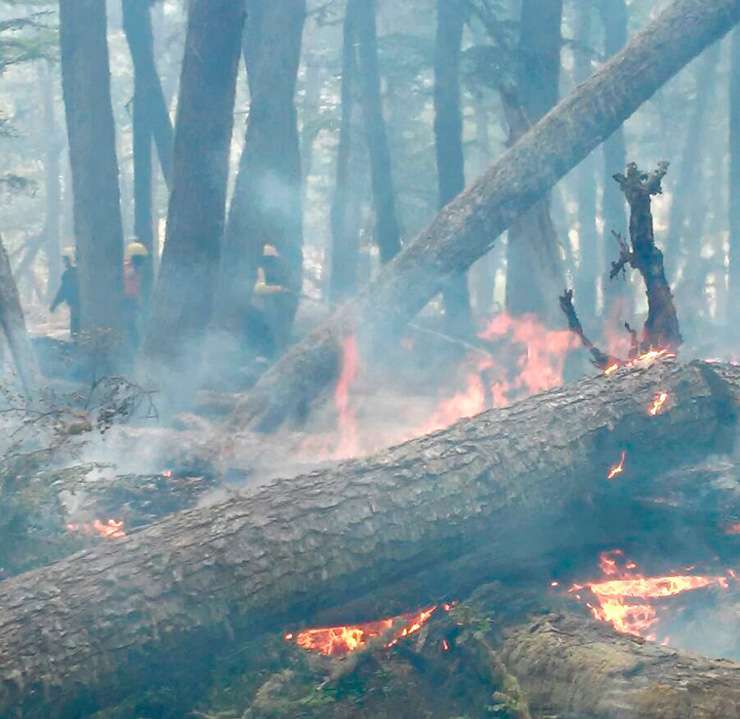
pixel 268 321
pixel 133 283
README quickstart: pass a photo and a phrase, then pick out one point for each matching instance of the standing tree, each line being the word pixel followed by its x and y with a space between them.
pixel 344 222
pixel 151 121
pixel 182 303
pixel 92 152
pixel 266 206
pixel 448 133
pixel 387 231
pixel 734 293
pixel 586 176
pixel 534 268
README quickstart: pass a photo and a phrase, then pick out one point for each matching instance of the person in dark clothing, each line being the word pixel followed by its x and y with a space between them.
pixel 69 294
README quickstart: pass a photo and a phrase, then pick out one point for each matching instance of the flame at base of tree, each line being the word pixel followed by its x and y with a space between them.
pixel 337 641
pixel 628 600
pixel 111 529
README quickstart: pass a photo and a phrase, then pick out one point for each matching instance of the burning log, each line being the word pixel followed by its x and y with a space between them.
pixel 466 228
pixel 570 666
pixel 78 633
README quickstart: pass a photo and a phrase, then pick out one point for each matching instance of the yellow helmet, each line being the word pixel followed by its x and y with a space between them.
pixel 270 251
pixel 69 252
pixel 136 249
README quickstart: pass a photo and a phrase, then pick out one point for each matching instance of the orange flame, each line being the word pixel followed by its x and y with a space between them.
pixel 646 359
pixel 733 529
pixel 336 641
pixel 623 598
pixel 617 469
pixel 348 444
pixel 656 406
pixel 111 529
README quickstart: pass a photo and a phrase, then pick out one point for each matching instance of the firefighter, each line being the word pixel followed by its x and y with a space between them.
pixel 69 292
pixel 133 296
pixel 268 320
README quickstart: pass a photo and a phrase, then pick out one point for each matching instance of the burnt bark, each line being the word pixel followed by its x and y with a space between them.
pixel 533 257
pixel 448 134
pixel 661 329
pixel 78 633
pixel 181 307
pixel 344 223
pixel 733 296
pixel 467 228
pixel 387 230
pixel 573 666
pixel 94 166
pixel 13 325
pixel 266 206
pixel 149 99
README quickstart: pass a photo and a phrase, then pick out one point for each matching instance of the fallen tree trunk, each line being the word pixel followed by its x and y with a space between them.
pixel 78 633
pixel 467 228
pixel 573 667
pixel 14 326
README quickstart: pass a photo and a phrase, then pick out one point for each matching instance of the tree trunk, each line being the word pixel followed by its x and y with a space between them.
pixel 733 296
pixel 588 246
pixel 344 224
pixel 617 304
pixel 448 134
pixel 52 172
pixel 181 308
pixel 266 206
pixel 387 231
pixel 148 93
pixel 534 265
pixel 574 667
pixel 14 327
pixel 76 634
pixel 92 149
pixel 467 228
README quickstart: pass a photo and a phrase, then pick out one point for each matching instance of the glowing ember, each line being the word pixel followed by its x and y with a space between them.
pixel 445 646
pixel 617 469
pixel 656 407
pixel 625 598
pixel 335 641
pixel 111 529
pixel 733 529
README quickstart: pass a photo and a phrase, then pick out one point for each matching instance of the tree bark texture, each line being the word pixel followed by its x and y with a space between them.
pixel 344 224
pixel 387 230
pixel 266 206
pixel 448 134
pixel 92 150
pixel 181 308
pixel 588 246
pixel 13 324
pixel 148 93
pixel 734 279
pixel 533 255
pixel 76 634
pixel 467 228
pixel 574 667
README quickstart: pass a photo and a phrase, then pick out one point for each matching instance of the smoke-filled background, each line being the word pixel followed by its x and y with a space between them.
pixel 229 260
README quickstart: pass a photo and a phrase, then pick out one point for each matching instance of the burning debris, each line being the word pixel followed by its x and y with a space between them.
pixel 110 529
pixel 658 403
pixel 617 469
pixel 628 600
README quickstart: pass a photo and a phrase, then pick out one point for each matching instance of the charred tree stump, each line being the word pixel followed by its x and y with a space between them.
pixel 467 227
pixel 77 634
pixel 661 329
